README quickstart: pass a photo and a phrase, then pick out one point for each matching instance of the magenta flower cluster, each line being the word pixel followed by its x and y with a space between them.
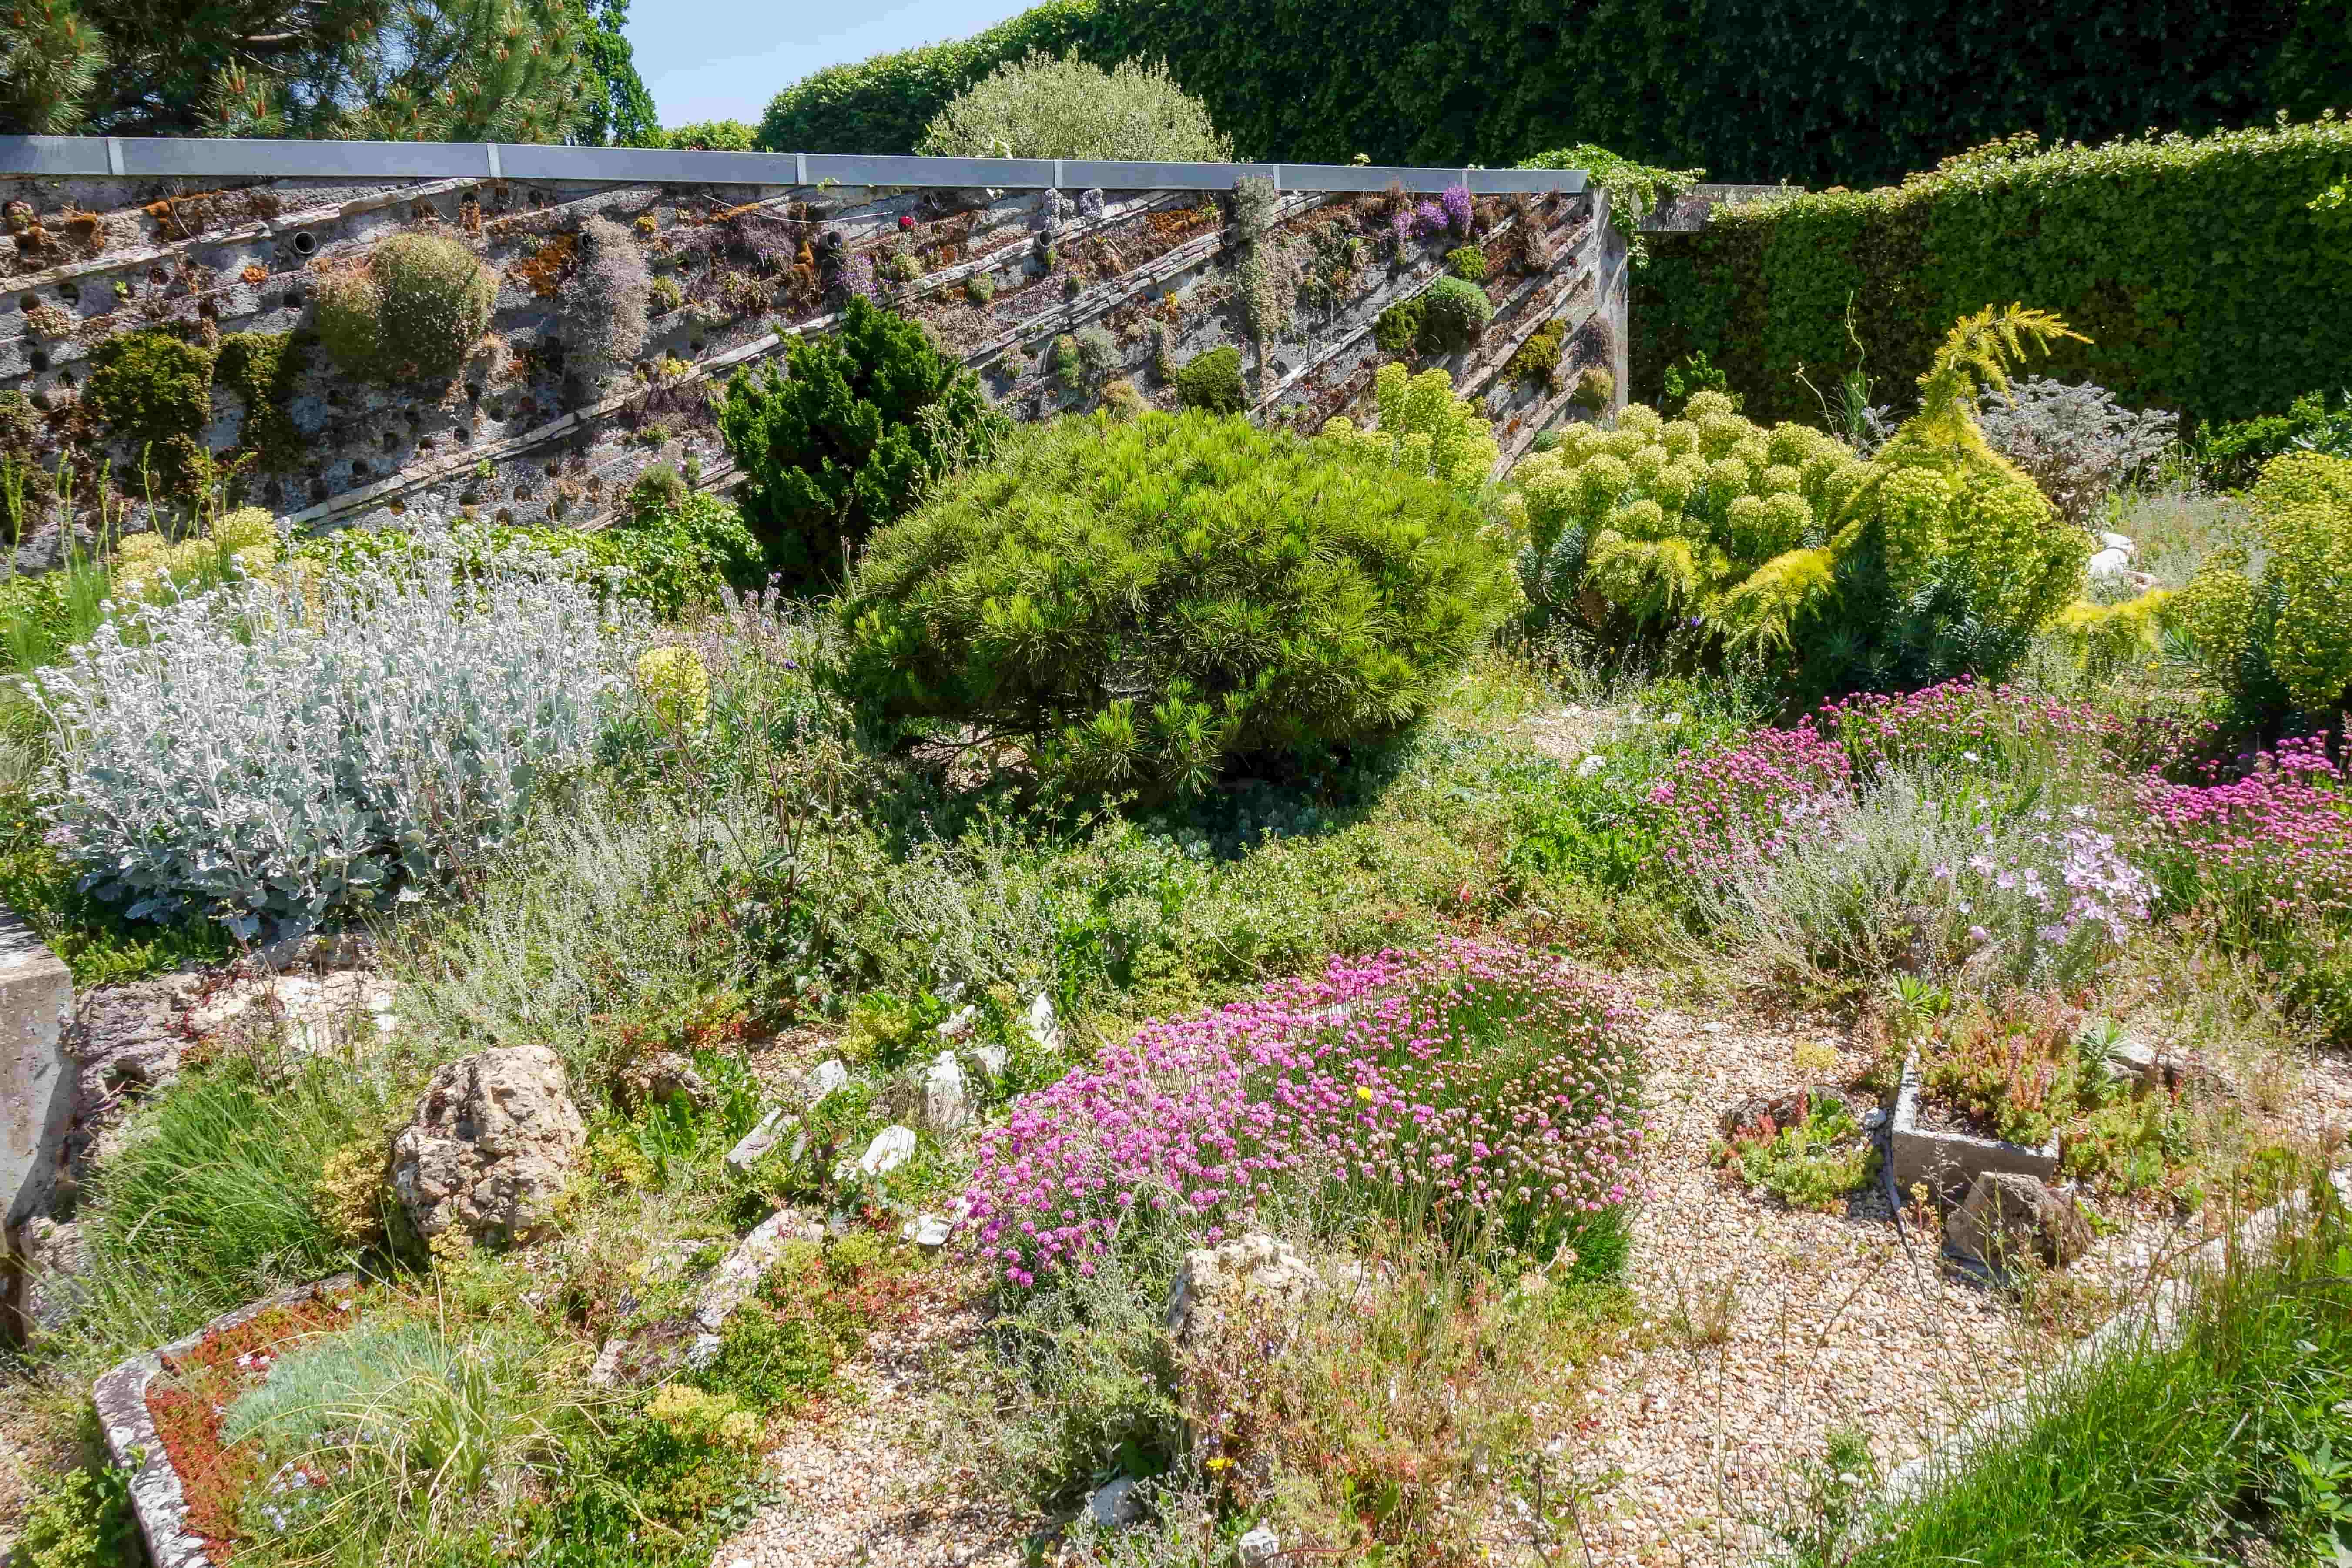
pixel 2271 850
pixel 1476 1090
pixel 1720 808
pixel 1966 723
pixel 1455 199
pixel 1429 218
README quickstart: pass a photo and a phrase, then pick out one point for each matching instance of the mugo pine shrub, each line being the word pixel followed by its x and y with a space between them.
pixel 837 445
pixel 1477 1093
pixel 269 752
pixel 1936 558
pixel 1136 606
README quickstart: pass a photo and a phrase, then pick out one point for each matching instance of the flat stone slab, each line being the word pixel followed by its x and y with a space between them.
pixel 1951 1162
pixel 36 1085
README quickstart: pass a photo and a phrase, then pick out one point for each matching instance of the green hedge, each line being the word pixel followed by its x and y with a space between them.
pixel 1812 91
pixel 2197 268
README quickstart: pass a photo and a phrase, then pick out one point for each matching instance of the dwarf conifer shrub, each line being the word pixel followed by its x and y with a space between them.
pixel 836 445
pixel 1211 382
pixel 1138 605
pixel 412 314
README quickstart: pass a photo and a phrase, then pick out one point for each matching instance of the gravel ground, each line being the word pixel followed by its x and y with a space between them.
pixel 1769 1329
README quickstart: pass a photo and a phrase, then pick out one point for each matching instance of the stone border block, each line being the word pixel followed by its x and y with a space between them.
pixel 1950 1162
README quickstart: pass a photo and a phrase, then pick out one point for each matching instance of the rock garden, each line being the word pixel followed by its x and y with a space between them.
pixel 1145 989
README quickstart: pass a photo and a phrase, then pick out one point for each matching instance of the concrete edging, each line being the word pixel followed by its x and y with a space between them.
pixel 1949 1162
pixel 120 1396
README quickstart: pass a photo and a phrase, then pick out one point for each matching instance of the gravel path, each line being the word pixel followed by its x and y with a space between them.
pixel 1769 1329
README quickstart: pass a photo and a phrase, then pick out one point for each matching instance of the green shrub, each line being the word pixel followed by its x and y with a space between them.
pixel 154 390
pixel 1424 428
pixel 2279 642
pixel 835 444
pixel 82 1519
pixel 1467 262
pixel 2220 299
pixel 1935 559
pixel 1453 314
pixel 1411 83
pixel 1538 359
pixel 1596 389
pixel 1069 368
pixel 658 489
pixel 1812 1164
pixel 1211 382
pixel 1136 606
pixel 2231 455
pixel 1398 328
pixel 1040 107
pixel 412 314
pixel 711 136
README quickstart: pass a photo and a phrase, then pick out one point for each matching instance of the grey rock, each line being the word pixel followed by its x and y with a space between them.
pixel 2122 542
pixel 992 1057
pixel 1043 1027
pixel 127 1037
pixel 1258 1547
pixel 702 1351
pixel 491 1148
pixel 663 1077
pixel 737 1275
pixel 824 1077
pixel 51 1260
pixel 2007 1215
pixel 1748 1118
pixel 1090 205
pixel 947 1104
pixel 959 1022
pixel 2111 568
pixel 1116 1505
pixel 927 1230
pixel 1216 1281
pixel 753 1146
pixel 887 1151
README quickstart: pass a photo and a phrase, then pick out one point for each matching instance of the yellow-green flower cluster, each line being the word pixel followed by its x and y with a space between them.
pixel 244 542
pixel 1425 428
pixel 676 684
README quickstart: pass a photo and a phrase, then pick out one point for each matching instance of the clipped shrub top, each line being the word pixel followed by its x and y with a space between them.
pixel 1135 605
pixel 1454 311
pixel 1041 107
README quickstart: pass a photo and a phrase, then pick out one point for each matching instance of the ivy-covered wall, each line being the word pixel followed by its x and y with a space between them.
pixel 2199 267
pixel 519 351
pixel 1813 92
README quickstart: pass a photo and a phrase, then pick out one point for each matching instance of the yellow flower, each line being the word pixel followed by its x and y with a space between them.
pixel 679 686
pixel 1363 1093
pixel 1219 1463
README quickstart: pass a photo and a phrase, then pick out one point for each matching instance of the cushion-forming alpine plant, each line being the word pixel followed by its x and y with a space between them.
pixel 1479 1092
pixel 2270 853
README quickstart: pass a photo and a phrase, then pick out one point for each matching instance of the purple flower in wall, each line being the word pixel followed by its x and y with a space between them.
pixel 1457 208
pixel 1428 219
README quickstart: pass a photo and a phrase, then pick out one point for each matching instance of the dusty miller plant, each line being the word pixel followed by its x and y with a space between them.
pixel 2077 443
pixel 275 750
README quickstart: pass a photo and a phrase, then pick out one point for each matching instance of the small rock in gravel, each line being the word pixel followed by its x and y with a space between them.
pixel 824 1077
pixel 1115 1505
pixel 959 1022
pixel 927 1230
pixel 888 1151
pixel 947 1107
pixel 1043 1028
pixel 756 1143
pixel 993 1058
pixel 1259 1546
pixel 2008 1214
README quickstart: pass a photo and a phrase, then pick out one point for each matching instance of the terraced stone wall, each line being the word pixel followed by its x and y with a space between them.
pixel 998 273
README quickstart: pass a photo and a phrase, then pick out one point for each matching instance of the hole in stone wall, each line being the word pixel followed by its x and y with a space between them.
pixel 390 442
pixel 304 242
pixel 319 492
pixel 38 359
pixel 358 467
pixel 28 303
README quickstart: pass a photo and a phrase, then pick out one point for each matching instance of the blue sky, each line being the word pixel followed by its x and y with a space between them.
pixel 723 60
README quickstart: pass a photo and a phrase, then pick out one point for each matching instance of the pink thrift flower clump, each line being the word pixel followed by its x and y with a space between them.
pixel 1721 808
pixel 2270 851
pixel 1966 723
pixel 1479 1090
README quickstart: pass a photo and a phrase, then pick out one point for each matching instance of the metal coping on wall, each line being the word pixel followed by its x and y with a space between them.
pixel 227 159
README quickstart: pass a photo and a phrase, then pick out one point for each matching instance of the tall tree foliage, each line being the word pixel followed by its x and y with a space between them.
pixel 511 70
pixel 1819 92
